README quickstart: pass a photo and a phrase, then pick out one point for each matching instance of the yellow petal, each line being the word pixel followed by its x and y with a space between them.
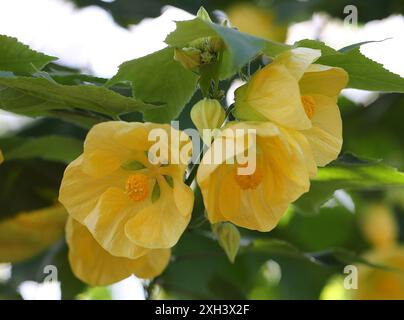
pixel 1 157
pixel 247 208
pixel 324 80
pixel 273 92
pixel 286 164
pixel 98 204
pixel 297 61
pixel 107 223
pixel 27 234
pixel 240 137
pixel 379 284
pixel 325 137
pixel 210 186
pixel 379 226
pixel 95 266
pixel 183 196
pixel 159 225
pixel 102 151
pixel 79 192
pixel 299 142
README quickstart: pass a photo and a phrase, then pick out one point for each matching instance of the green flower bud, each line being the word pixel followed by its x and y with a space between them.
pixel 207 114
pixel 228 237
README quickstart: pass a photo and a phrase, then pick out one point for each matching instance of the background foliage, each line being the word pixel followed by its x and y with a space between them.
pixel 320 233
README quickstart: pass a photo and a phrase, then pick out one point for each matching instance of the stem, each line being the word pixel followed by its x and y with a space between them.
pixel 116 118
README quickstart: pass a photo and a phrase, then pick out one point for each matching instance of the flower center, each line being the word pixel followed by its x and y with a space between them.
pixel 309 105
pixel 248 181
pixel 137 187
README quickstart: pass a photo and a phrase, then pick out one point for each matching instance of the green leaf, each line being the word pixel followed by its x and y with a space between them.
pixel 364 73
pixel 157 77
pixel 169 180
pixel 39 96
pixel 155 193
pixel 132 165
pixel 343 257
pixel 28 185
pixel 335 257
pixel 240 47
pixel 274 246
pixel 19 58
pixel 358 45
pixel 52 148
pixel 203 14
pixel 348 172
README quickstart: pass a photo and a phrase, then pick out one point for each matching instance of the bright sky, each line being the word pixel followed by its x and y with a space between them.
pixel 89 39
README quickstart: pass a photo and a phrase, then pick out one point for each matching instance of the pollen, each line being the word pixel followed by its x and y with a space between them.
pixel 137 187
pixel 249 181
pixel 309 105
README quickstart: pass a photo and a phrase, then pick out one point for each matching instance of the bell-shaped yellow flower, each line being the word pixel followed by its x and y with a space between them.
pixel 378 226
pixel 256 199
pixel 257 21
pixel 380 284
pixel 128 203
pixel 1 157
pixel 296 93
pixel 97 267
pixel 29 233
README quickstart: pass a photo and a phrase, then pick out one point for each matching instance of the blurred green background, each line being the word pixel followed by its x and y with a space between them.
pixel 303 258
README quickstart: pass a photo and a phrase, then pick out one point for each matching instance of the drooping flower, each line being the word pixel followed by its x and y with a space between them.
pixel 296 93
pixel 129 202
pixel 23 236
pixel 256 199
pixel 257 21
pixel 1 157
pixel 381 284
pixel 97 267
pixel 379 226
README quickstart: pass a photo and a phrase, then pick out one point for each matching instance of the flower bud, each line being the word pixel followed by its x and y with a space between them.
pixel 207 114
pixel 228 237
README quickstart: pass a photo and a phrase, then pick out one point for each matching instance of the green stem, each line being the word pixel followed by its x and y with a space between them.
pixel 116 118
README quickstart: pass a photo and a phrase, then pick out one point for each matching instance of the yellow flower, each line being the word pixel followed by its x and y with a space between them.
pixel 296 93
pixel 97 267
pixel 1 157
pixel 129 204
pixel 378 226
pixel 379 284
pixel 29 233
pixel 256 200
pixel 256 21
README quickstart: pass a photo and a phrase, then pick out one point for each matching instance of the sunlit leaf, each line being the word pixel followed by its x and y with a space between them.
pixel 158 78
pixel 19 58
